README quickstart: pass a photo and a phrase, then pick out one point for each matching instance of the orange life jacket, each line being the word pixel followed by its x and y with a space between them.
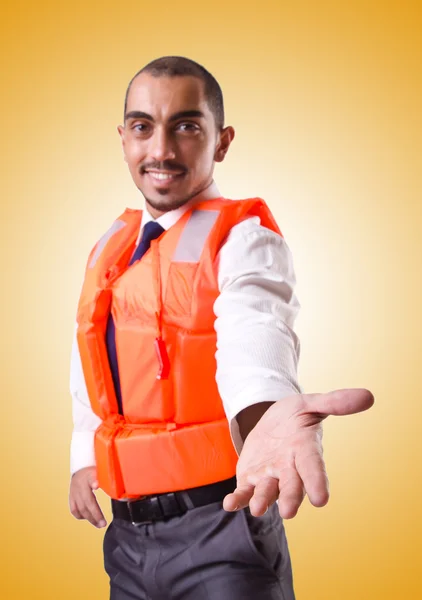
pixel 173 433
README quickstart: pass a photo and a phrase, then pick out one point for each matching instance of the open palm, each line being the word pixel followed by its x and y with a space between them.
pixel 282 456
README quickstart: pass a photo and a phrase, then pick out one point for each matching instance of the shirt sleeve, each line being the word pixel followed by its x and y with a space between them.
pixel 257 348
pixel 85 421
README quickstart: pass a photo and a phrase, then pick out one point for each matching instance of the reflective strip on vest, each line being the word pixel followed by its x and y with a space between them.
pixel 117 226
pixel 194 235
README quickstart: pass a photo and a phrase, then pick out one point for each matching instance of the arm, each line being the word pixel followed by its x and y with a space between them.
pixel 82 501
pixel 85 421
pixel 257 349
pixel 276 429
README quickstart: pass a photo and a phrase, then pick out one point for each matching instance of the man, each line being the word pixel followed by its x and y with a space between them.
pixel 192 277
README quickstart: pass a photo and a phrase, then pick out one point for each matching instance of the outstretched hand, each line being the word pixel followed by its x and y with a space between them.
pixel 282 456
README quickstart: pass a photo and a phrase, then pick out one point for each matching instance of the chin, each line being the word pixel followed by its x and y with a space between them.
pixel 164 202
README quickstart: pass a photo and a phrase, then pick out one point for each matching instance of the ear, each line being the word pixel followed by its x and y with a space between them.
pixel 122 132
pixel 226 137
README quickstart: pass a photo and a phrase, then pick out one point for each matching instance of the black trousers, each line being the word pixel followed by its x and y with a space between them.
pixel 205 554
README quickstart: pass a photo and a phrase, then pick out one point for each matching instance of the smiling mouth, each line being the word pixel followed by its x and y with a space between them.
pixel 164 176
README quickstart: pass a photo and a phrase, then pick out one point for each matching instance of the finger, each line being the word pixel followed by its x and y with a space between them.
pixel 97 517
pixel 92 480
pixel 265 494
pixel 84 512
pixel 87 515
pixel 291 494
pixel 340 402
pixel 90 509
pixel 74 509
pixel 239 498
pixel 311 468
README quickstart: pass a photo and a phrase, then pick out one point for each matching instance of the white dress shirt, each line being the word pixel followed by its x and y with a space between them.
pixel 257 349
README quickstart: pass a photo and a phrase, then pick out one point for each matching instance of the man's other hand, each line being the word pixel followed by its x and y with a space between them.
pixel 82 501
pixel 282 456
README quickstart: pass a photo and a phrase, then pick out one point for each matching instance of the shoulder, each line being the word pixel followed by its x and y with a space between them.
pixel 250 227
pixel 253 241
pixel 250 249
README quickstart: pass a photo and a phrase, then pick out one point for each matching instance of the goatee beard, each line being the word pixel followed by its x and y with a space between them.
pixel 172 204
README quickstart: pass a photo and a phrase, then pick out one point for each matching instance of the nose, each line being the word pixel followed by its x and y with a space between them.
pixel 162 145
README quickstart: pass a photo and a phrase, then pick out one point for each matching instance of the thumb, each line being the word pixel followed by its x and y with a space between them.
pixel 340 402
pixel 93 482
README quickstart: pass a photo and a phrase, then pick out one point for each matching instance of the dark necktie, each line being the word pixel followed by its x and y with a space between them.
pixel 152 231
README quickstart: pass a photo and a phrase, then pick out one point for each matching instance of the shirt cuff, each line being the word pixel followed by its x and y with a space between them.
pixel 82 450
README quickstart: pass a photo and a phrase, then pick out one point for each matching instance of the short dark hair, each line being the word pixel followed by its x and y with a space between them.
pixel 179 66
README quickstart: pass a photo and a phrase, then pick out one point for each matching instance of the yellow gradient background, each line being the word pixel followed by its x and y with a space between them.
pixel 326 100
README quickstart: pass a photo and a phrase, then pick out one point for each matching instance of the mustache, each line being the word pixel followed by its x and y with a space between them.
pixel 164 165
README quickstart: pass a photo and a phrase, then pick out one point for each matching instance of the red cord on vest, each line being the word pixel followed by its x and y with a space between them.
pixel 163 359
pixel 159 344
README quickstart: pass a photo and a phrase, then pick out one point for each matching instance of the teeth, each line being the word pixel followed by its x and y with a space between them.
pixel 161 175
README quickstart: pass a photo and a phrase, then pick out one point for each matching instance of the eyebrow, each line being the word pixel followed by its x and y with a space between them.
pixel 136 114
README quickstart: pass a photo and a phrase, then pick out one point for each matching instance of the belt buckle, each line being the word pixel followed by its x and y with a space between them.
pixel 129 507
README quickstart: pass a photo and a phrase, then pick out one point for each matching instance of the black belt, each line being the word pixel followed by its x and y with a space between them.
pixel 162 506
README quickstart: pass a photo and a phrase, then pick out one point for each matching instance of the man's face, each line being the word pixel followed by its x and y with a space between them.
pixel 170 139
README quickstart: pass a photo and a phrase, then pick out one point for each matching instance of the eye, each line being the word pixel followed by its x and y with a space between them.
pixel 141 127
pixel 187 127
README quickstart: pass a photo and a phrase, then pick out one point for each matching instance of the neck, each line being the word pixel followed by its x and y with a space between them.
pixel 208 193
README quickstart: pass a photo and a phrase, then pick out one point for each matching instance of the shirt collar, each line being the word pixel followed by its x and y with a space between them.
pixel 171 217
